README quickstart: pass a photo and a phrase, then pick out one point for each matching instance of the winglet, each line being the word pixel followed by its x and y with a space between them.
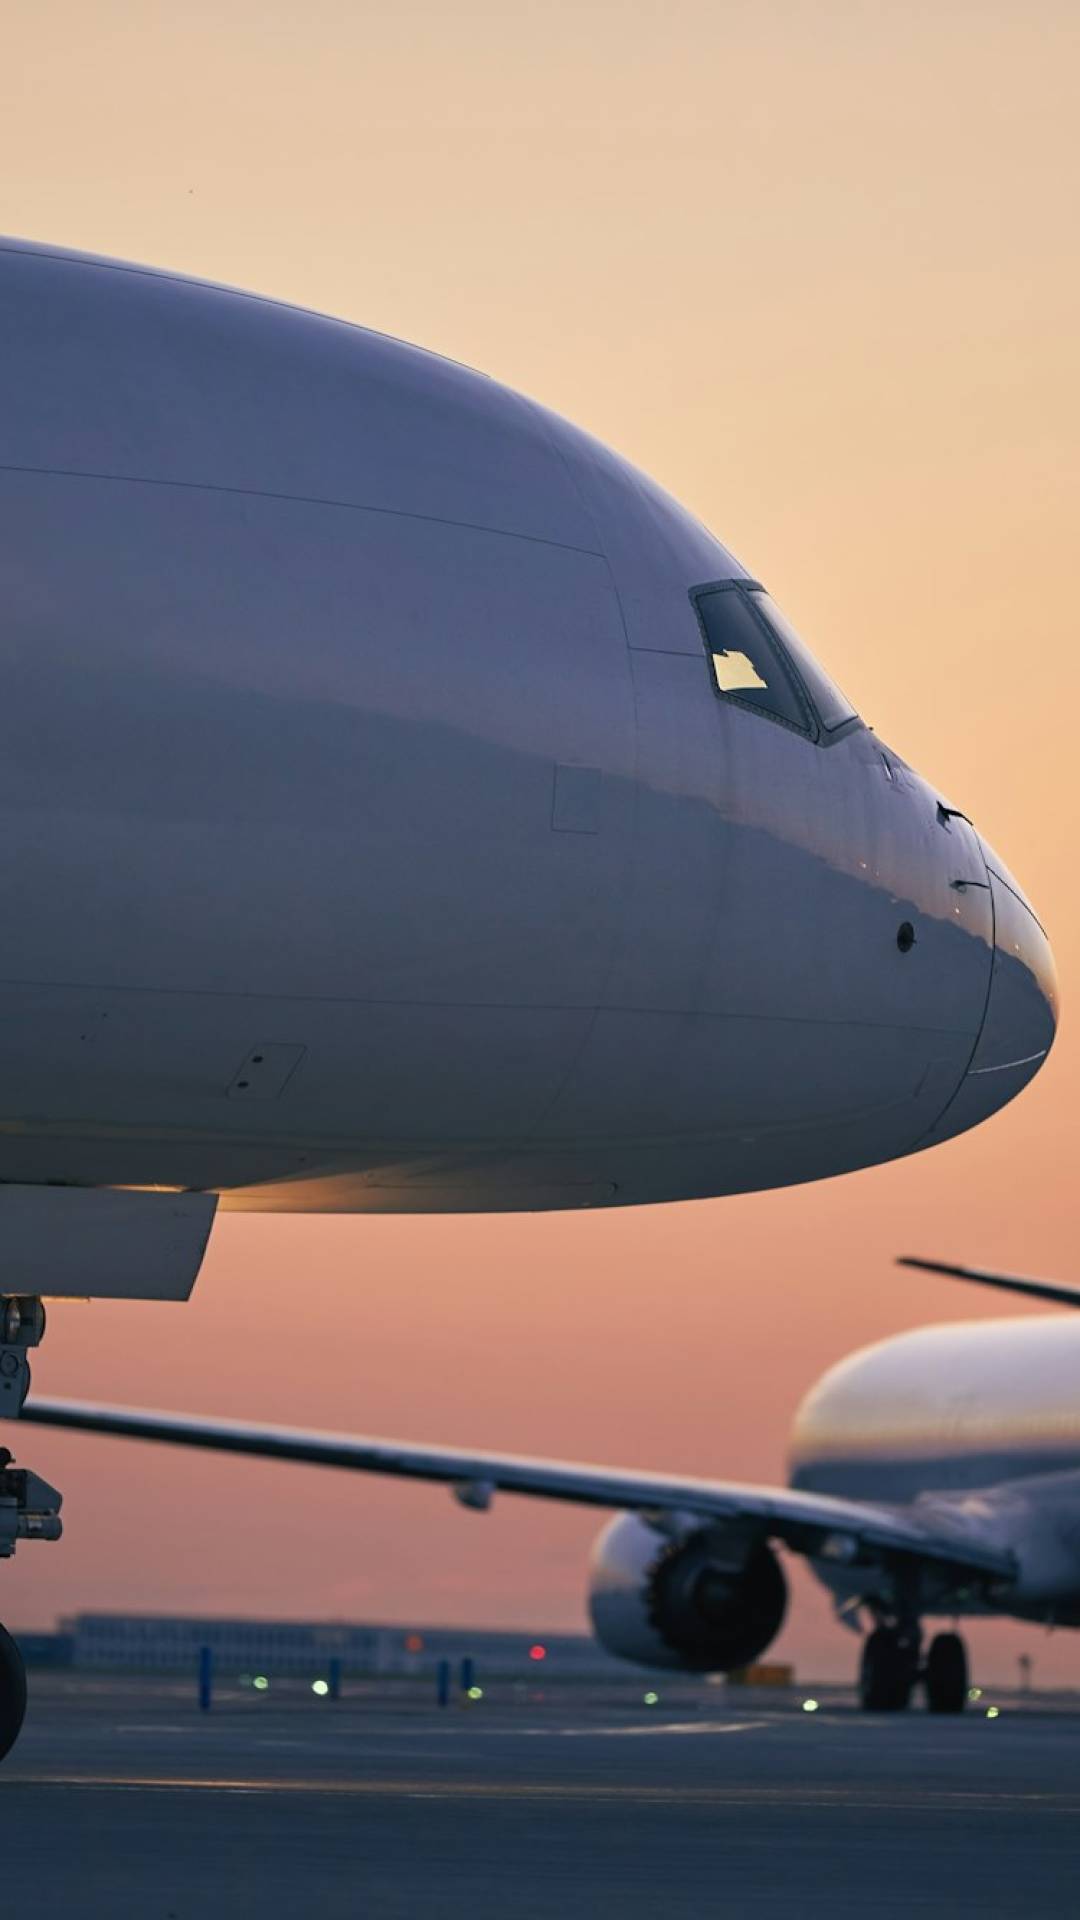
pixel 1053 1290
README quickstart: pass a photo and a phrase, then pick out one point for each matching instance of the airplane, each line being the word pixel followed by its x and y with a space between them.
pixel 407 806
pixel 933 1474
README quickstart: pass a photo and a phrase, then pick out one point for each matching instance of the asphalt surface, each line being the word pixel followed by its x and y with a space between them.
pixel 121 1800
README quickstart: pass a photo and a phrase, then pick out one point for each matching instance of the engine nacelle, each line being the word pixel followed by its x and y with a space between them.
pixel 704 1601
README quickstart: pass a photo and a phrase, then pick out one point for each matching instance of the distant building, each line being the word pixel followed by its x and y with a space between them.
pixel 163 1643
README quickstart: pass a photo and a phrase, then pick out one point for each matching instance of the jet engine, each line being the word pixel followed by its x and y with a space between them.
pixel 705 1599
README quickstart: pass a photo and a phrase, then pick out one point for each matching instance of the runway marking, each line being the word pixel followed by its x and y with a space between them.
pixel 661 1726
pixel 788 1795
pixel 493 1730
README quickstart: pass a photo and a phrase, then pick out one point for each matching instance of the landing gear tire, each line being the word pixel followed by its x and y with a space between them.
pixel 12 1692
pixel 946 1674
pixel 890 1661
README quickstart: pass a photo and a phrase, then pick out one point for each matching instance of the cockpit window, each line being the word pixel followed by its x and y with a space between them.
pixel 833 707
pixel 746 663
pixel 759 660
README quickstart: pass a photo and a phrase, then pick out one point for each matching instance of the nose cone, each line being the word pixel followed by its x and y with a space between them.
pixel 1021 1009
pixel 1022 1013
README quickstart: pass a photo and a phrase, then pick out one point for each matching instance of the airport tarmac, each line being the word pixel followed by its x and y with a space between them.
pixel 123 1802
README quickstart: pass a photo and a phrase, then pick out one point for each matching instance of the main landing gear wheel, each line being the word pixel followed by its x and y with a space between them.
pixel 946 1674
pixel 12 1692
pixel 889 1667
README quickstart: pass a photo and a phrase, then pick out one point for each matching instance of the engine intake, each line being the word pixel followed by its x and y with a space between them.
pixel 705 1602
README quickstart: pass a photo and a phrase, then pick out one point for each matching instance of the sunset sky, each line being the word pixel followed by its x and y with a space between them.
pixel 814 267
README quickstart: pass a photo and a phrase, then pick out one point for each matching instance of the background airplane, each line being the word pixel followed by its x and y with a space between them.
pixel 935 1474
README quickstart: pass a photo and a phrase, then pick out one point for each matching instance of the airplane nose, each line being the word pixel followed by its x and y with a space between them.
pixel 1021 1008
pixel 1022 1013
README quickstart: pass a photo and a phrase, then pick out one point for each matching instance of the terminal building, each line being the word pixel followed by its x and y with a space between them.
pixel 165 1644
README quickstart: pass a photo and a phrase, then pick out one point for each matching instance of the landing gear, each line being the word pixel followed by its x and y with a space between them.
pixel 29 1507
pixel 945 1675
pixel 12 1692
pixel 889 1669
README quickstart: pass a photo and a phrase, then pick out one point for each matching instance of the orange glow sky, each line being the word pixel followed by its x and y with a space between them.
pixel 814 267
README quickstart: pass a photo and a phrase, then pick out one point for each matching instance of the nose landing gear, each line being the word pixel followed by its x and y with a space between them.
pixel 29 1507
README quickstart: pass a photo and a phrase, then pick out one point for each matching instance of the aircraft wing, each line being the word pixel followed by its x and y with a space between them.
pixel 1056 1291
pixel 818 1525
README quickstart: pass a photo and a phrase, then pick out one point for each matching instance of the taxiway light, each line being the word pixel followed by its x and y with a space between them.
pixel 992 1712
pixel 974 1693
pixel 260 1683
pixel 809 1706
pixel 321 1687
pixel 652 1699
pixel 476 1693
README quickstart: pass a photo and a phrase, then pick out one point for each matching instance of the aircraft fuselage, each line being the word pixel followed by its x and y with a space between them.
pixel 375 834
pixel 978 1422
